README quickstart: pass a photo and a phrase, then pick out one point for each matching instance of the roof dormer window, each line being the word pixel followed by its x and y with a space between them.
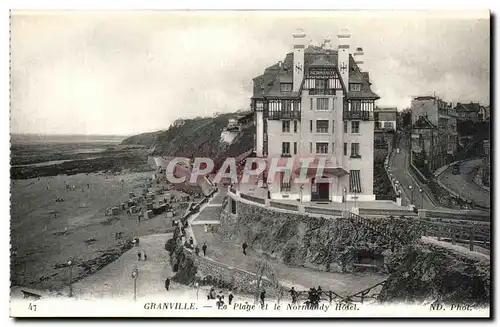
pixel 355 87
pixel 286 87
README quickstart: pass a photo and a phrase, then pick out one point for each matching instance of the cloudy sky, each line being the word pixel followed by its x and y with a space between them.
pixel 134 72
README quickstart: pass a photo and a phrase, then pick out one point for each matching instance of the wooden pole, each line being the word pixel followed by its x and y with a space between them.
pixel 471 238
pixel 135 289
pixel 70 281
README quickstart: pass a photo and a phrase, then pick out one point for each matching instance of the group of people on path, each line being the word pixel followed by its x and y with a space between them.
pixel 219 297
pixel 203 248
pixel 313 296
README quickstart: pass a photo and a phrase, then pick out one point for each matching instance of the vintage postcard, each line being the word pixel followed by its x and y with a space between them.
pixel 250 164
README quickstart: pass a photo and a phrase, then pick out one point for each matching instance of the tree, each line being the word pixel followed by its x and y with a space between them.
pixel 264 270
pixel 404 118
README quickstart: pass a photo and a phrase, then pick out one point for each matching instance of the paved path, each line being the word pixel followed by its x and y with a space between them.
pixel 302 278
pixel 479 253
pixel 114 280
pixel 463 183
pixel 399 169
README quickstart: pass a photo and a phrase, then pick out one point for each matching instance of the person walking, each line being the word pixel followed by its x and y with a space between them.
pixel 220 299
pixel 204 248
pixel 293 294
pixel 167 283
pixel 244 247
pixel 262 298
pixel 197 250
pixel 212 293
pixel 230 297
pixel 206 228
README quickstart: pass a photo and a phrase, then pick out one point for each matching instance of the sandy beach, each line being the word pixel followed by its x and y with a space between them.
pixel 45 234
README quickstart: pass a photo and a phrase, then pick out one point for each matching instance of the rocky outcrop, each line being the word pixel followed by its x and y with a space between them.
pixel 426 272
pixel 182 264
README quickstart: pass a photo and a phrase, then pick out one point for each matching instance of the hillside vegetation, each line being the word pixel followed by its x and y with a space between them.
pixel 198 137
pixel 145 139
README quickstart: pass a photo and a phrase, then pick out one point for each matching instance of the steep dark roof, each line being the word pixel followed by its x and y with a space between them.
pixel 423 123
pixel 356 76
pixel 268 84
pixel 468 107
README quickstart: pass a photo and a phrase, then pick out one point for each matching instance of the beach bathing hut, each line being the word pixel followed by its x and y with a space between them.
pixel 115 211
pixel 150 214
pixel 159 210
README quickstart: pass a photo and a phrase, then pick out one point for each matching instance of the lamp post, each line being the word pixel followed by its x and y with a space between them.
pixel 421 198
pixel 345 199
pixel 135 274
pixel 411 190
pixel 70 268
pixel 70 277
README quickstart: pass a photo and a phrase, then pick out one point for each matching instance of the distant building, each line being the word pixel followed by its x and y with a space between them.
pixel 433 112
pixel 486 113
pixel 471 111
pixel 424 140
pixel 385 127
pixel 385 119
pixel 318 102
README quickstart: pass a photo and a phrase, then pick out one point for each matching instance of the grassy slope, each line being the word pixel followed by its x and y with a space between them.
pixel 196 137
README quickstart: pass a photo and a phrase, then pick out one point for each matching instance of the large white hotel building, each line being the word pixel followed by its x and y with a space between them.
pixel 318 102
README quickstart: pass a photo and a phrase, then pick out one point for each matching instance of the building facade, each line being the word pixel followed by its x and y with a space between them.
pixel 318 103
pixel 385 127
pixel 424 145
pixel 440 116
pixel 471 111
pixel 385 119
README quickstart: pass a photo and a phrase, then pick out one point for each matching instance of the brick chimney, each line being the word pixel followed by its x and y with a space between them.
pixel 343 55
pixel 359 58
pixel 299 43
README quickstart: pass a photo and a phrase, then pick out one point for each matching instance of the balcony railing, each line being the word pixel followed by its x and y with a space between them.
pixel 322 92
pixel 277 115
pixel 358 115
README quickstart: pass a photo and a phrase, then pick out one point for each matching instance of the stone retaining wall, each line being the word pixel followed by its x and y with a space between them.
pixel 323 211
pixel 216 273
pixel 302 240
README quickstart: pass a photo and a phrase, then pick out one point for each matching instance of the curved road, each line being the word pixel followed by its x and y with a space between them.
pixel 399 169
pixel 463 183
